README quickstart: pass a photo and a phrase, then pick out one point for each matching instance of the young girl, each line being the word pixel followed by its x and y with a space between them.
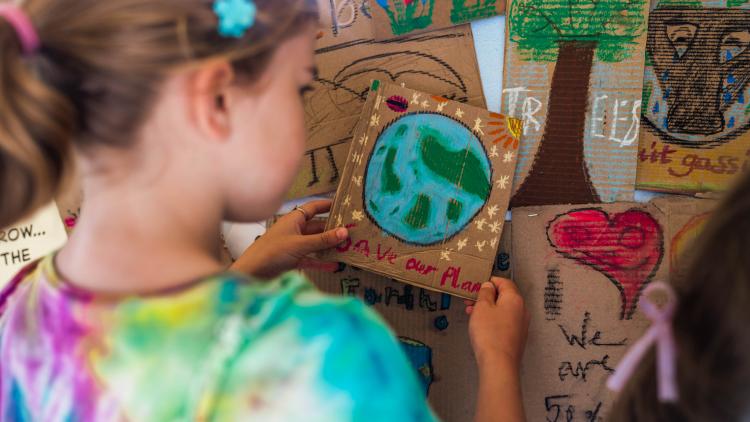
pixel 710 325
pixel 180 114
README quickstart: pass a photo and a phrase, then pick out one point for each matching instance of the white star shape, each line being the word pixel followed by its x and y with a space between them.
pixel 441 106
pixel 478 126
pixel 347 200
pixel 358 180
pixel 375 120
pixel 491 211
pixel 459 113
pixel 415 99
pixel 480 245
pixel 363 140
pixel 425 104
pixel 462 243
pixel 357 215
pixel 493 242
pixel 445 255
pixel 480 223
pixel 496 227
pixel 493 152
pixel 502 183
pixel 339 221
pixel 508 157
pixel 357 158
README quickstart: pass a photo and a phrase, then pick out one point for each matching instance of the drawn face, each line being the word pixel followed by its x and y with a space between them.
pixel 696 84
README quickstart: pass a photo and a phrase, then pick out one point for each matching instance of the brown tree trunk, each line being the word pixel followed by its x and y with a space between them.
pixel 559 174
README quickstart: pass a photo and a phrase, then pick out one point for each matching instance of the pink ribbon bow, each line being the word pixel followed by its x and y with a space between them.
pixel 23 26
pixel 659 334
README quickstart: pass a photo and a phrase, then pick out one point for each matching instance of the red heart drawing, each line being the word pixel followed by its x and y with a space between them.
pixel 628 247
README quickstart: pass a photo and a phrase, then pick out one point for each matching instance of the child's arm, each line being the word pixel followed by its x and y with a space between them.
pixel 287 242
pixel 498 327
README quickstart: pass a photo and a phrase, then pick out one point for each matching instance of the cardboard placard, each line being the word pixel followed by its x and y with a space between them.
pixel 441 63
pixel 395 18
pixel 581 270
pixel 426 189
pixel 24 242
pixel 696 100
pixel 573 74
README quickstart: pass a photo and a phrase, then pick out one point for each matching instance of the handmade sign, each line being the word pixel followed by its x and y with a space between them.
pixel 426 189
pixel 696 112
pixel 582 270
pixel 29 240
pixel 394 18
pixel 442 63
pixel 573 73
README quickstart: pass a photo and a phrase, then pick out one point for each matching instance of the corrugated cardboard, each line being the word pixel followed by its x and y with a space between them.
pixel 430 324
pixel 573 73
pixel 696 100
pixel 425 190
pixel 394 18
pixel 442 63
pixel 581 269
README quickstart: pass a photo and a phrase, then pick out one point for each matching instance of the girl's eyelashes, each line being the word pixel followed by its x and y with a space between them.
pixel 305 89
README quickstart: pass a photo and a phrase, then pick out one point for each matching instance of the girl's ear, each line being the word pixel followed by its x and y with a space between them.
pixel 209 99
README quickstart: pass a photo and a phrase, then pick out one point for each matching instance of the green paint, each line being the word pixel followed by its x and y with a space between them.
pixel 391 181
pixel 401 131
pixel 375 85
pixel 462 168
pixel 454 210
pixel 410 17
pixel 374 206
pixel 420 213
pixel 649 60
pixel 463 13
pixel 648 89
pixel 747 109
pixel 736 3
pixel 537 26
pixel 682 4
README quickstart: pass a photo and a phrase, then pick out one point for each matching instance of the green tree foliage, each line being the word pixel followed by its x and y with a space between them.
pixel 538 26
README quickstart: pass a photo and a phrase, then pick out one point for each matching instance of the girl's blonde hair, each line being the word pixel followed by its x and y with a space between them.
pixel 98 72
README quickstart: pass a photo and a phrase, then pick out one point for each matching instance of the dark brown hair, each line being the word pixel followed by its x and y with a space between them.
pixel 97 73
pixel 711 327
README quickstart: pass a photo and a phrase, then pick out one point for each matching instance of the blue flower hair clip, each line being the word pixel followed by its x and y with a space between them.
pixel 235 17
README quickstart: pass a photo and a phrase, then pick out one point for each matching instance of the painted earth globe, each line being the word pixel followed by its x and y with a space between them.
pixel 427 178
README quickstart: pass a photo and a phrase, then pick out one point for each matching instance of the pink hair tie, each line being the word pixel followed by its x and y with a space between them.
pixel 659 334
pixel 25 30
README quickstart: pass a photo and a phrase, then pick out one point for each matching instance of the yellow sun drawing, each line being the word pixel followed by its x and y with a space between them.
pixel 508 130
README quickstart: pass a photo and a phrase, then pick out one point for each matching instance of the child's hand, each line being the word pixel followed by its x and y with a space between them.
pixel 288 241
pixel 499 324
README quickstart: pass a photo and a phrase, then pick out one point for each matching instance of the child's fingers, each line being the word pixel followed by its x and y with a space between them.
pixel 487 293
pixel 322 241
pixel 469 310
pixel 314 227
pixel 504 286
pixel 318 207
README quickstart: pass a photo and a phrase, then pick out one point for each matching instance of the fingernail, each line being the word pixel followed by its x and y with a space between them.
pixel 342 234
pixel 488 285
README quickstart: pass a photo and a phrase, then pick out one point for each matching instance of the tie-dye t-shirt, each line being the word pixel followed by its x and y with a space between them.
pixel 221 349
